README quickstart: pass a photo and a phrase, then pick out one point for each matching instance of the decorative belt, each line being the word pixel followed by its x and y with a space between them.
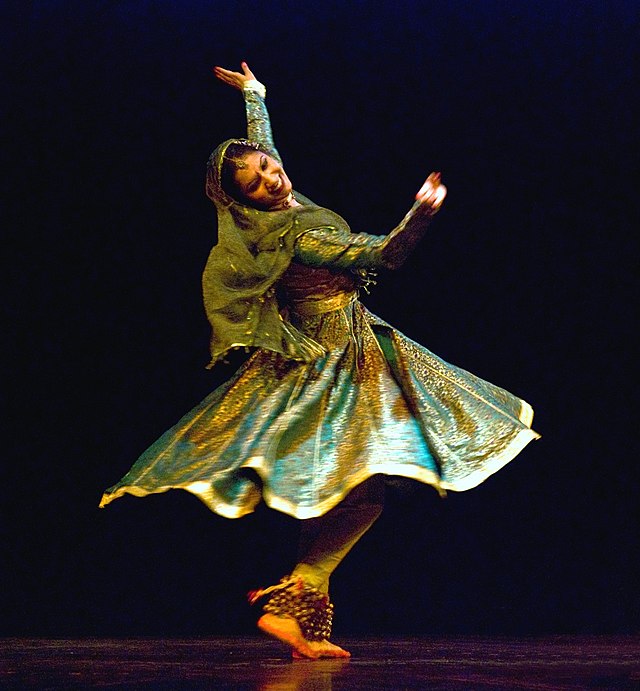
pixel 313 307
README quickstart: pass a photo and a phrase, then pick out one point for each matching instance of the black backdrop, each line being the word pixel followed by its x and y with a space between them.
pixel 525 279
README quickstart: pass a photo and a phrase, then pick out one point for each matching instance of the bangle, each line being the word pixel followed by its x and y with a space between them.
pixel 256 86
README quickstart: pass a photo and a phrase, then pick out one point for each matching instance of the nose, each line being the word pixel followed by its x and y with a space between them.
pixel 271 178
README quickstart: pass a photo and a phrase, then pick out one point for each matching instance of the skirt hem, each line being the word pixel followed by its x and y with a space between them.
pixel 205 492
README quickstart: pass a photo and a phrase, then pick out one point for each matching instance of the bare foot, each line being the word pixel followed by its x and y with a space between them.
pixel 326 649
pixel 288 631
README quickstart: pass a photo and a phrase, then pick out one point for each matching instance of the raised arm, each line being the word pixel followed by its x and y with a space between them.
pixel 333 248
pixel 258 123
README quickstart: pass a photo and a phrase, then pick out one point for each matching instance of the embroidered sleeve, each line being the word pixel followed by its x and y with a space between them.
pixel 258 123
pixel 331 247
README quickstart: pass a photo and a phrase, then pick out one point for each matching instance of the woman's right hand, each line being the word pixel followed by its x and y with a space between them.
pixel 235 79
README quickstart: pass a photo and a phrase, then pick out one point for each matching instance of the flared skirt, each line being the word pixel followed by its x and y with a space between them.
pixel 301 435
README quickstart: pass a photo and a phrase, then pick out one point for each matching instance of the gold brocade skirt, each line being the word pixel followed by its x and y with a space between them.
pixel 302 435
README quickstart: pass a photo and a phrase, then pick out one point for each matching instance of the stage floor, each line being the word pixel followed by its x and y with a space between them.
pixel 551 663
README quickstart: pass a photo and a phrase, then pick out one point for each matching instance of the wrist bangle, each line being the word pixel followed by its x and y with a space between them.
pixel 255 86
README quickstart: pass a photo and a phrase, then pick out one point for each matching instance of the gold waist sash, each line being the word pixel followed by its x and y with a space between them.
pixel 309 308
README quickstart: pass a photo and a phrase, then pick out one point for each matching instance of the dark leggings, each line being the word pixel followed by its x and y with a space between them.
pixel 326 540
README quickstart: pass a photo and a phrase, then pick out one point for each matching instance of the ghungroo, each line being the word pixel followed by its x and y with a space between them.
pixel 311 608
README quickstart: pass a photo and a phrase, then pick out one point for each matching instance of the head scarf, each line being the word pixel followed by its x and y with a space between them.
pixel 254 249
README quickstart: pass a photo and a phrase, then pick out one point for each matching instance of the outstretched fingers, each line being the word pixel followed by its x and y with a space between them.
pixel 430 184
pixel 432 192
pixel 234 79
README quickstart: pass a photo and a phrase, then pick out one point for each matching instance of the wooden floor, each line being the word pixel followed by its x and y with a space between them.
pixel 553 664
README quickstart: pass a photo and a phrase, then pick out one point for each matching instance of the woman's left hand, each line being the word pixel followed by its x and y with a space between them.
pixel 234 79
pixel 432 193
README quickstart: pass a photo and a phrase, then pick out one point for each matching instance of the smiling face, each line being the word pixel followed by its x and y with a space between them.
pixel 262 181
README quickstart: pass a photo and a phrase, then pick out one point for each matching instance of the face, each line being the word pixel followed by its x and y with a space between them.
pixel 263 182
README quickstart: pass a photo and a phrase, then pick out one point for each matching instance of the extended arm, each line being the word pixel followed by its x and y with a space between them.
pixel 337 248
pixel 258 123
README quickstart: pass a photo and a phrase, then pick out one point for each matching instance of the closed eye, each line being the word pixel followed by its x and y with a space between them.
pixel 253 185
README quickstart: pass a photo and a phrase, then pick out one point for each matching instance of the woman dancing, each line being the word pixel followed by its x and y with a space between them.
pixel 333 399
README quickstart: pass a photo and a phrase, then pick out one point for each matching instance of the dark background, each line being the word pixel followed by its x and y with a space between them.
pixel 525 279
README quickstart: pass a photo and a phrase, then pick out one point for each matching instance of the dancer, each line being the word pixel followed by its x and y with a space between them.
pixel 333 399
